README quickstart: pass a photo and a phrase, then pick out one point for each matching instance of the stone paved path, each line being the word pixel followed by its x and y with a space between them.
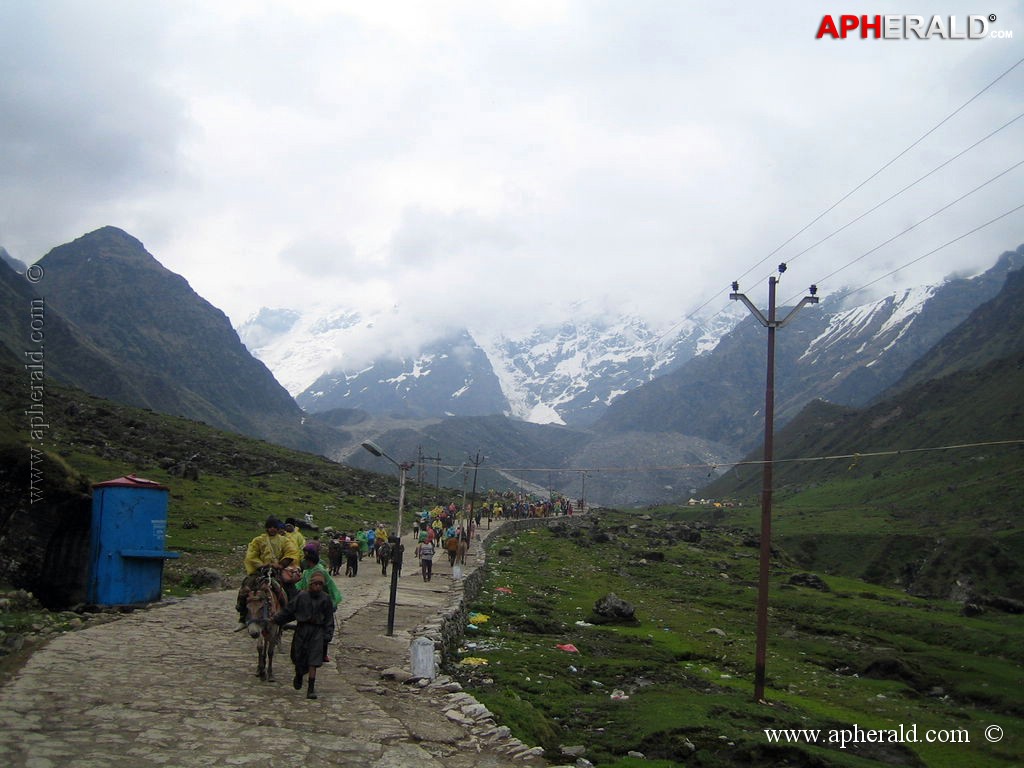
pixel 173 685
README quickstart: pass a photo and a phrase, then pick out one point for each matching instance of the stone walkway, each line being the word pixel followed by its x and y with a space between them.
pixel 173 685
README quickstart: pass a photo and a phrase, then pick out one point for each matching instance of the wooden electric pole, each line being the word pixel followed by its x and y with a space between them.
pixel 766 487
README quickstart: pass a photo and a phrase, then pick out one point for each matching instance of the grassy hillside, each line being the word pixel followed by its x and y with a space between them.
pixel 677 685
pixel 926 493
pixel 221 484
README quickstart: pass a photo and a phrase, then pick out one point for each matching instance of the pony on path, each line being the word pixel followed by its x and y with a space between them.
pixel 262 604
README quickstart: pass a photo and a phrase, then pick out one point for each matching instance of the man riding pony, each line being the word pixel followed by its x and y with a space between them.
pixel 269 548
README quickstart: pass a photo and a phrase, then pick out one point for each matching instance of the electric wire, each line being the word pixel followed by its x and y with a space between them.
pixel 761 462
pixel 925 135
pixel 892 197
pixel 932 215
pixel 944 245
pixel 693 313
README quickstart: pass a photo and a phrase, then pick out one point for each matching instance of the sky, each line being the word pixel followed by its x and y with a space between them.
pixel 491 163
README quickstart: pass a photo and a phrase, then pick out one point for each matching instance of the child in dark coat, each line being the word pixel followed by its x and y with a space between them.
pixel 312 610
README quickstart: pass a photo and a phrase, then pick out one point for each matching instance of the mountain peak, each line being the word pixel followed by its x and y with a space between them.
pixel 107 245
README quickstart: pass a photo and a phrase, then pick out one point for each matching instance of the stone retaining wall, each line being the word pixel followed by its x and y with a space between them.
pixel 448 627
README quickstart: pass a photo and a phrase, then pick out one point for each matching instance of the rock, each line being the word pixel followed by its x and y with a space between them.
pixel 529 753
pixel 612 609
pixel 397 674
pixel 576 750
pixel 971 609
pixel 207 577
pixel 477 711
pixel 689 535
pixel 457 717
pixel 716 631
pixel 1007 604
pixel 811 580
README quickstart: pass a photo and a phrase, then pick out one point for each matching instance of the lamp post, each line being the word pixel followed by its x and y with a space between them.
pixel 772 324
pixel 472 496
pixel 396 539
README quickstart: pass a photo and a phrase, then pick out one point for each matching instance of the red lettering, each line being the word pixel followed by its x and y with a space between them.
pixel 847 23
pixel 828 27
pixel 876 25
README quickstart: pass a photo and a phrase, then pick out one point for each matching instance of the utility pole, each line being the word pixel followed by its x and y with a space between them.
pixel 419 476
pixel 766 489
pixel 436 460
pixel 472 495
pixel 437 478
pixel 583 493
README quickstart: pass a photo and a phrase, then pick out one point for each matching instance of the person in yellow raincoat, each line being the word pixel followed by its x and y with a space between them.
pixel 269 548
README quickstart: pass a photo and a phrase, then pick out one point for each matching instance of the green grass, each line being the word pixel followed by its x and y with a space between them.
pixel 865 653
pixel 238 481
pixel 860 654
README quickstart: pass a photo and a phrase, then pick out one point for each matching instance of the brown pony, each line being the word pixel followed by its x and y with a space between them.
pixel 264 601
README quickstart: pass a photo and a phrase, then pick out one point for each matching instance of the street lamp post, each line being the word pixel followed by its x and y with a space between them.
pixel 396 539
pixel 472 495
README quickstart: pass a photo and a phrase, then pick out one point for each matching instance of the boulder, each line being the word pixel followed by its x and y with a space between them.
pixel 207 577
pixel 811 580
pixel 612 609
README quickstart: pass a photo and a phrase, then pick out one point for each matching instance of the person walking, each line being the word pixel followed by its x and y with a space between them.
pixel 312 611
pixel 451 546
pixel 425 553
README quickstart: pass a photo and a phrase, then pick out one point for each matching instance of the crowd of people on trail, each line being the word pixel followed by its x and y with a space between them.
pixel 348 549
pixel 306 590
pixel 517 506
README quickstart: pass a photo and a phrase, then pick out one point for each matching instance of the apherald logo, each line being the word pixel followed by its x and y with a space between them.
pixel 906 27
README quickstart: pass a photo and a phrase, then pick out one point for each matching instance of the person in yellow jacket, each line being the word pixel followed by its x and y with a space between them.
pixel 292 530
pixel 269 548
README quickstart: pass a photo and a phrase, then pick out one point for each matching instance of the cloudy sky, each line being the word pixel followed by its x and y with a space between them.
pixel 485 161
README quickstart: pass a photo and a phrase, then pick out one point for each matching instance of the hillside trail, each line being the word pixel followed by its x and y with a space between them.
pixel 174 685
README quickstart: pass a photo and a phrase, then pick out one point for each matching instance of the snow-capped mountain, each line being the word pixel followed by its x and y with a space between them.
pixel 564 374
pixel 840 351
pixel 701 377
pixel 447 377
pixel 570 373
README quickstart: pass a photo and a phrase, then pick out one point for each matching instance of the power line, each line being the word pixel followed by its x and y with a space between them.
pixel 892 197
pixel 919 223
pixel 933 251
pixel 761 462
pixel 946 119
pixel 886 165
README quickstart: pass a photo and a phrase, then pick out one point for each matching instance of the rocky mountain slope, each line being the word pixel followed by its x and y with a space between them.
pixel 566 373
pixel 649 414
pixel 163 346
pixel 670 436
pixel 844 354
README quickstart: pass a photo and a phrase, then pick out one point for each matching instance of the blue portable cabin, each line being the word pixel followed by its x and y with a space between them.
pixel 128 530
